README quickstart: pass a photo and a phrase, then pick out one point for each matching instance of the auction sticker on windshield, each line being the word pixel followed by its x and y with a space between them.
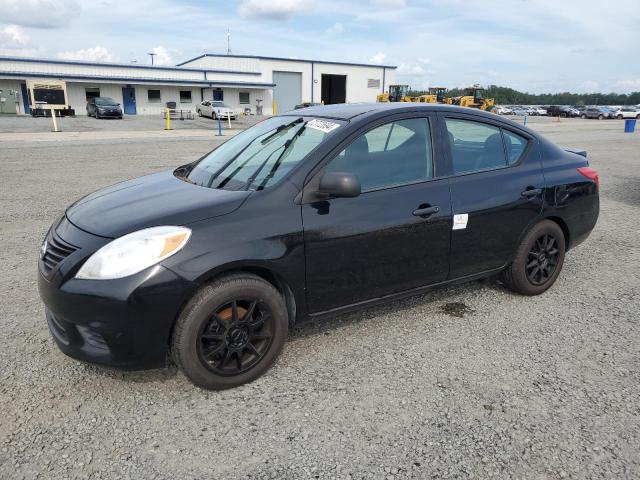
pixel 322 125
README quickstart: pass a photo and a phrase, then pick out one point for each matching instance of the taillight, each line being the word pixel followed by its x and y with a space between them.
pixel 591 174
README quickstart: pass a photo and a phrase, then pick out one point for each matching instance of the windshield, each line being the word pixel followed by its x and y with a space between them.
pixel 105 101
pixel 221 104
pixel 261 155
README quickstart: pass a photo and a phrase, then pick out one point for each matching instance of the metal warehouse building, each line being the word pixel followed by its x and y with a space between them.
pixel 240 81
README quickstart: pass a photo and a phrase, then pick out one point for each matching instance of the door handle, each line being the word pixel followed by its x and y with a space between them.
pixel 426 212
pixel 531 192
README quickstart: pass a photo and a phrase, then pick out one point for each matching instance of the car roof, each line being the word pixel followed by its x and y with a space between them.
pixel 347 111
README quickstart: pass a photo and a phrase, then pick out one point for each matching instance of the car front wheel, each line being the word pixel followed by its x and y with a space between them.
pixel 538 260
pixel 230 332
pixel 583 116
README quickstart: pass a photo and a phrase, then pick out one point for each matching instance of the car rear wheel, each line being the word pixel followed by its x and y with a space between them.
pixel 600 117
pixel 538 261
pixel 619 117
pixel 230 332
pixel 583 116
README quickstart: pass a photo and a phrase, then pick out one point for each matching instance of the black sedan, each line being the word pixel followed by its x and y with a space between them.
pixel 103 107
pixel 307 215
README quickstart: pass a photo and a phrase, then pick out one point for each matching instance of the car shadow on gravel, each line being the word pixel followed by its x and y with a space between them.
pixel 437 298
pixel 161 374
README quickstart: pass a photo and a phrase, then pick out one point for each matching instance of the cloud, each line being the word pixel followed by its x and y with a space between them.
pixel 411 70
pixel 272 9
pixel 162 56
pixel 336 28
pixel 589 86
pixel 390 3
pixel 378 58
pixel 93 54
pixel 38 13
pixel 630 85
pixel 12 37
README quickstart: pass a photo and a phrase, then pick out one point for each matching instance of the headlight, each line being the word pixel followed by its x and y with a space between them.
pixel 134 252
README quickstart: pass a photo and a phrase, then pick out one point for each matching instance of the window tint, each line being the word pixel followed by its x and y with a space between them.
pixel 394 153
pixel 515 145
pixel 474 146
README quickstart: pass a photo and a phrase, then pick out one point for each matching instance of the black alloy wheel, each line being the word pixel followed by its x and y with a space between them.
pixel 236 337
pixel 542 259
pixel 231 331
pixel 538 259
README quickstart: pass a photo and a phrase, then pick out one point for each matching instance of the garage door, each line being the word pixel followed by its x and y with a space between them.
pixel 288 90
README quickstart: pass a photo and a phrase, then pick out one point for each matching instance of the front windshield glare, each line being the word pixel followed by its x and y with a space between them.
pixel 261 155
pixel 105 101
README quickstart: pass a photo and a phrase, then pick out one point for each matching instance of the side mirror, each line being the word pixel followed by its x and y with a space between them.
pixel 339 184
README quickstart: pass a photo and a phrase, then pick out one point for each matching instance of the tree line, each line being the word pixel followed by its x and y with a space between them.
pixel 509 96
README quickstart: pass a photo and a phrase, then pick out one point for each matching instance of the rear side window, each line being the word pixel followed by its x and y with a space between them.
pixel 477 146
pixel 395 153
pixel 474 146
pixel 515 145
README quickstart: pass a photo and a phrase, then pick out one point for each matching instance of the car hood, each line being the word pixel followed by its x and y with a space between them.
pixel 158 199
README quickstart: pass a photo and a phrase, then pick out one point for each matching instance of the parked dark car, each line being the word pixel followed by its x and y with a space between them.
pixel 103 107
pixel 307 215
pixel 561 111
pixel 600 113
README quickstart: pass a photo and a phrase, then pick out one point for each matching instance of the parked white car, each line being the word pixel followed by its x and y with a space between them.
pixel 625 112
pixel 503 110
pixel 539 111
pixel 215 109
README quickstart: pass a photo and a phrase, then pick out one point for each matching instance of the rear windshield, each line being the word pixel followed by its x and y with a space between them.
pixel 261 155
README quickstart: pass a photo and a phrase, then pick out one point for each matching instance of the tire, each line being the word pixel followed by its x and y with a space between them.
pixel 519 276
pixel 600 117
pixel 583 116
pixel 619 117
pixel 199 113
pixel 203 345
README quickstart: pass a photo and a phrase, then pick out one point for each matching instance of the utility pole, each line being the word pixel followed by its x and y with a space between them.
pixel 151 54
pixel 228 41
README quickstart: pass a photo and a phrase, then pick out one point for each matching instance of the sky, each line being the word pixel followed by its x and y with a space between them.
pixel 536 46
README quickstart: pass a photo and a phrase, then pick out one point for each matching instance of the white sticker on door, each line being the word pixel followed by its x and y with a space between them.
pixel 460 221
pixel 322 125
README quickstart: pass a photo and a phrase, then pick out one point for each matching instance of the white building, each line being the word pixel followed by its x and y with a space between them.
pixel 238 80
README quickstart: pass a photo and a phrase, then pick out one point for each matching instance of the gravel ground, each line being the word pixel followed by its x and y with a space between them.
pixel 467 381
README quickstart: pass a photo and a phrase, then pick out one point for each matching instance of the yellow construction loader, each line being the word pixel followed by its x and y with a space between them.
pixel 435 95
pixel 473 99
pixel 396 93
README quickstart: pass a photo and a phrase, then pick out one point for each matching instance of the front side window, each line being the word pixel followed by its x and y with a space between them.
pixel 261 155
pixel 153 96
pixel 474 146
pixel 392 154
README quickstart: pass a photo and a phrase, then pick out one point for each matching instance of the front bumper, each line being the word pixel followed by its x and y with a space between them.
pixel 110 113
pixel 125 322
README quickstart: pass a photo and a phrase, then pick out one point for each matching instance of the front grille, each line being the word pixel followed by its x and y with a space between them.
pixel 57 250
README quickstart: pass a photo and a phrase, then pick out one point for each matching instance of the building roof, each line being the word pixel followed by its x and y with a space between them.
pixel 260 57
pixel 122 65
pixel 138 80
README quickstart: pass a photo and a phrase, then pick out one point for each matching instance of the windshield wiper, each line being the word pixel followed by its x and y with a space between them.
pixel 281 128
pixel 278 161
